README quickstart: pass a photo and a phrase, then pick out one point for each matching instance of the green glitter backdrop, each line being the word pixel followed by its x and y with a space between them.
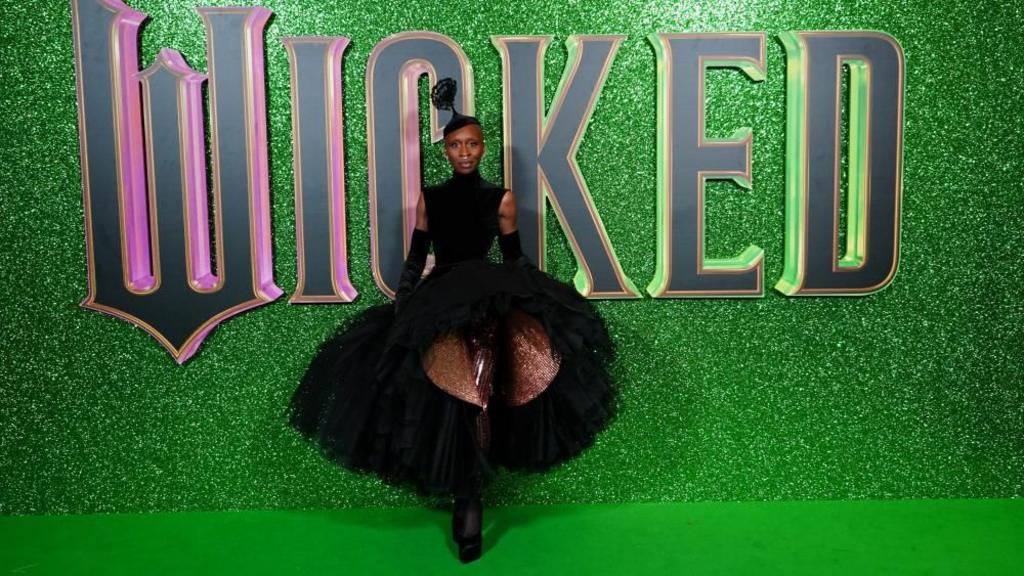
pixel 914 392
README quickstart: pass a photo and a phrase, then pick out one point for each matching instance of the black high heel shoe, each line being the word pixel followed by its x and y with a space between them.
pixel 471 550
pixel 467 521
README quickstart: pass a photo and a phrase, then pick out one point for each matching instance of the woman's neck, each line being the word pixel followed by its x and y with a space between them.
pixel 466 180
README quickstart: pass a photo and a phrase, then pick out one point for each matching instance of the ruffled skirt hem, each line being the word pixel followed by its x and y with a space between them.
pixel 370 406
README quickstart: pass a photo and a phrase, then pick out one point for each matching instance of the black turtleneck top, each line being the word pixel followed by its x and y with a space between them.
pixel 462 214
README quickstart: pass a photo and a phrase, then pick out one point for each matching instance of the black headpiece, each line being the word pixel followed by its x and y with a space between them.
pixel 443 96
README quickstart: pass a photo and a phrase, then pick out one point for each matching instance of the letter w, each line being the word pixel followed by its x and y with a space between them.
pixel 144 174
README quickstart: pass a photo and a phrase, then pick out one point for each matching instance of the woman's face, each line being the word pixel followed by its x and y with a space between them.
pixel 464 148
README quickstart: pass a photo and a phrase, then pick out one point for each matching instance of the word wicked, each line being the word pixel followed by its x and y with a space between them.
pixel 143 159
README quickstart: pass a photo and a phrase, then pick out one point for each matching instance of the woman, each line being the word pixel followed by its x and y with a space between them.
pixel 478 365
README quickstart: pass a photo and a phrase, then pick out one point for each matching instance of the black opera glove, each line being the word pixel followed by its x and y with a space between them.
pixel 512 250
pixel 413 268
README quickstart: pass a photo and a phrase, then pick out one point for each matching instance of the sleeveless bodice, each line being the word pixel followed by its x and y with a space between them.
pixel 462 215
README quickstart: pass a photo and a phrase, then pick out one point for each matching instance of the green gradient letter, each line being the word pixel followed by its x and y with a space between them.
pixel 686 159
pixel 813 96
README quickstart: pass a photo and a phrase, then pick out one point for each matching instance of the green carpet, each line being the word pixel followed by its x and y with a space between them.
pixel 843 537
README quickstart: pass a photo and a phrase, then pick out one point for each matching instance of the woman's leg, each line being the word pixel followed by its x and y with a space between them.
pixel 467 520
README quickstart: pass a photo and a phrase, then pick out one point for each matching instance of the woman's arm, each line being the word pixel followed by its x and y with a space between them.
pixel 421 213
pixel 507 213
pixel 508 240
pixel 416 259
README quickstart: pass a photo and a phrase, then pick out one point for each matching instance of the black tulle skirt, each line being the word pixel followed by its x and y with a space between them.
pixel 369 404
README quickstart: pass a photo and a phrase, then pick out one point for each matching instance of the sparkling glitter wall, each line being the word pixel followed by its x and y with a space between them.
pixel 914 392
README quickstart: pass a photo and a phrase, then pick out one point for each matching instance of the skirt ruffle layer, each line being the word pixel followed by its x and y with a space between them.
pixel 368 403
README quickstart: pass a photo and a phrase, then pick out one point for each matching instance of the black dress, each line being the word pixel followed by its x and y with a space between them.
pixel 487 364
